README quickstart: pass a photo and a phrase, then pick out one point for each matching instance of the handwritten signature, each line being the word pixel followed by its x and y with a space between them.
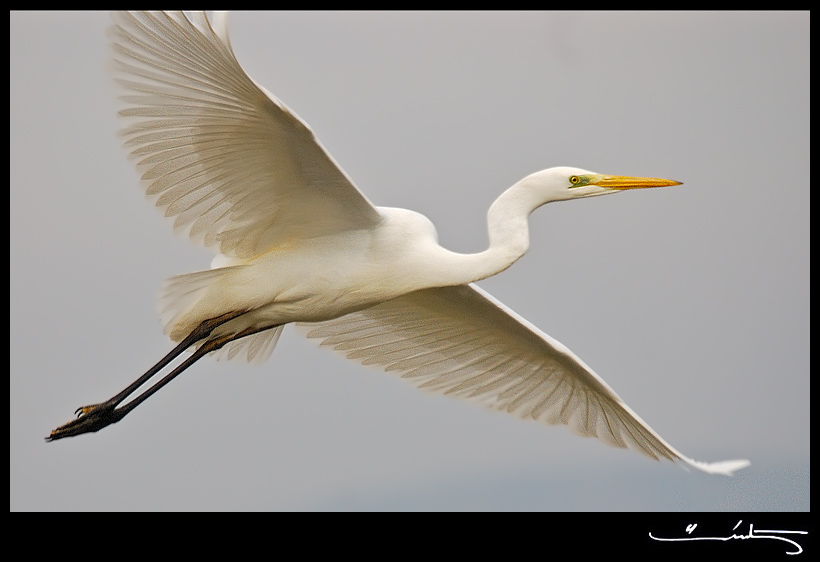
pixel 752 534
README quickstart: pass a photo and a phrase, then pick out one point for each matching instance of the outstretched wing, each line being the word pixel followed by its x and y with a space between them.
pixel 235 167
pixel 462 342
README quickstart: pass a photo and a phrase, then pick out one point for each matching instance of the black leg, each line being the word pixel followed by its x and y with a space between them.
pixel 95 417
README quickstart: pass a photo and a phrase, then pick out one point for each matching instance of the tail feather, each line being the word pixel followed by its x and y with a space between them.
pixel 178 297
pixel 255 348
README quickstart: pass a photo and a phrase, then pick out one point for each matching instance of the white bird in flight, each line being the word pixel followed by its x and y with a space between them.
pixel 297 242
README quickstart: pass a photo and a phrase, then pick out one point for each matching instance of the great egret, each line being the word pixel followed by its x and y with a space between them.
pixel 297 242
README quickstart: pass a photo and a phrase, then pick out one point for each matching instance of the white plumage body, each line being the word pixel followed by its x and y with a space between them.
pixel 313 279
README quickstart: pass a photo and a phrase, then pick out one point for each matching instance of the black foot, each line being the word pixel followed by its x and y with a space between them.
pixel 89 419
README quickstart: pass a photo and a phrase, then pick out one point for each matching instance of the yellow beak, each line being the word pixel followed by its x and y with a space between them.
pixel 627 182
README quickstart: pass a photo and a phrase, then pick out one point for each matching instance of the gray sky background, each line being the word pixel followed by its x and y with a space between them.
pixel 692 302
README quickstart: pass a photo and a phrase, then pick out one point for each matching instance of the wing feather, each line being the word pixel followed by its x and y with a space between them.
pixel 462 342
pixel 236 169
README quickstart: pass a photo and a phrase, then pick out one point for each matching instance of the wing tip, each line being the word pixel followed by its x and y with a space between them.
pixel 726 468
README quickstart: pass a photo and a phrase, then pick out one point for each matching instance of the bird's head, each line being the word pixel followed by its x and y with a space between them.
pixel 562 183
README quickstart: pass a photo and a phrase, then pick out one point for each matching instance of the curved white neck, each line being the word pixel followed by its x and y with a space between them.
pixel 508 229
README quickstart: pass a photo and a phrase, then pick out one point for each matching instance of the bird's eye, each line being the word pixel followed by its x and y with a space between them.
pixel 574 180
